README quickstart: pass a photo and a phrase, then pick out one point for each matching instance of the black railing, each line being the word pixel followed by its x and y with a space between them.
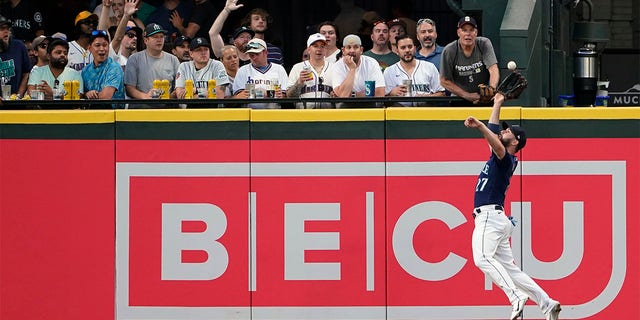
pixel 285 103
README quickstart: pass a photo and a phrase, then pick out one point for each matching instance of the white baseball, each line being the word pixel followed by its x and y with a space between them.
pixel 511 65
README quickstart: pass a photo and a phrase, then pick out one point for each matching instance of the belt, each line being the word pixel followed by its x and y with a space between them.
pixel 478 210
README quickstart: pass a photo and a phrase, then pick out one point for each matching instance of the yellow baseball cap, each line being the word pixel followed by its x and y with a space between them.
pixel 85 15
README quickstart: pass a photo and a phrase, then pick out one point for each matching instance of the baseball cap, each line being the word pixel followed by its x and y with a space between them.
pixel 467 20
pixel 83 15
pixel 39 39
pixel 59 35
pixel 4 20
pixel 137 30
pixel 256 45
pixel 518 132
pixel 153 28
pixel 351 39
pixel 240 30
pixel 315 37
pixel 199 42
pixel 180 40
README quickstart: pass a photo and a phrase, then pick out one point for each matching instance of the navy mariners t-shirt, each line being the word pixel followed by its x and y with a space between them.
pixel 494 178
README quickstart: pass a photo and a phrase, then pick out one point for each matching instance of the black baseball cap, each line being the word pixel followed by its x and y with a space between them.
pixel 153 28
pixel 242 29
pixel 4 20
pixel 180 40
pixel 199 42
pixel 467 20
pixel 518 132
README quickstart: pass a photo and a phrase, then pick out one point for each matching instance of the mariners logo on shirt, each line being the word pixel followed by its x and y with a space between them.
pixel 7 69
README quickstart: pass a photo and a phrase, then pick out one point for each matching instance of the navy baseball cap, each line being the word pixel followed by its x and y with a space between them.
pixel 242 29
pixel 199 42
pixel 180 40
pixel 518 132
pixel 467 20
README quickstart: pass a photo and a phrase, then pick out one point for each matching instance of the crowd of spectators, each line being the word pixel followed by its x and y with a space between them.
pixel 141 49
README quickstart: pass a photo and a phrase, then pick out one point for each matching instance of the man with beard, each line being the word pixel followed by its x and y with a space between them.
pixel 468 62
pixel 381 50
pixel 103 79
pixel 347 75
pixel 427 36
pixel 181 49
pixel 129 44
pixel 490 240
pixel 425 80
pixel 200 70
pixel 241 35
pixel 14 59
pixel 53 75
pixel 258 20
pixel 79 56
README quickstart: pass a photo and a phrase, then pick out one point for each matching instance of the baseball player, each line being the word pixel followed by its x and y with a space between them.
pixel 490 240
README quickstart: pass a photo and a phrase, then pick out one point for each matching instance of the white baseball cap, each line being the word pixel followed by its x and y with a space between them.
pixel 256 45
pixel 315 37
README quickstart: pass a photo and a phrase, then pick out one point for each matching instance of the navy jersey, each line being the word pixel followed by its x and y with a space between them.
pixel 493 181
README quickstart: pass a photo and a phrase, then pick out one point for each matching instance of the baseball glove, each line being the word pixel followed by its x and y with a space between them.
pixel 486 93
pixel 512 86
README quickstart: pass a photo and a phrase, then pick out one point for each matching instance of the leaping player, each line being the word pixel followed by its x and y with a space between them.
pixel 490 240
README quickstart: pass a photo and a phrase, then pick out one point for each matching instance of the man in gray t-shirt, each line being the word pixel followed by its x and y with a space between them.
pixel 150 64
pixel 468 62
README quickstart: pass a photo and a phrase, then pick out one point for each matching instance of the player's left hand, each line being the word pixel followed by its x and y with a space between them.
pixel 471 122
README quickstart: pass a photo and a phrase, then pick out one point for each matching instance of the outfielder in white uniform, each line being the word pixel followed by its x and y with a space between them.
pixel 262 74
pixel 424 76
pixel 201 69
pixel 490 240
pixel 308 79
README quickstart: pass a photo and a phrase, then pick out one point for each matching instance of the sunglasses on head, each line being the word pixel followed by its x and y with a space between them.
pixel 253 46
pixel 378 22
pixel 99 32
pixel 426 20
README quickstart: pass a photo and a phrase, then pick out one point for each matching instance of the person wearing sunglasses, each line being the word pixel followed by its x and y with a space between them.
pixel 52 76
pixel 40 44
pixel 103 78
pixel 79 55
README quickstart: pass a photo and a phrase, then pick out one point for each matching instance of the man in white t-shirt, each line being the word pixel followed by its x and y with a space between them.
pixel 424 76
pixel 307 78
pixel 348 75
pixel 201 69
pixel 79 55
pixel 262 74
